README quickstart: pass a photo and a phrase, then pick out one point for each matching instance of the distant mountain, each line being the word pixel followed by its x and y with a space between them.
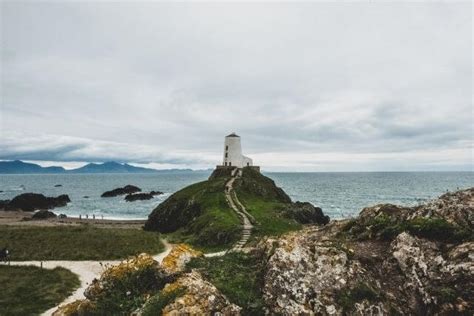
pixel 19 167
pixel 111 167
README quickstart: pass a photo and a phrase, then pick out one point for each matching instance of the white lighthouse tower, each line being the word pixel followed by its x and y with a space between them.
pixel 233 153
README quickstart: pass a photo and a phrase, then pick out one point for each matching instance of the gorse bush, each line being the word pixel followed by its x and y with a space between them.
pixel 125 287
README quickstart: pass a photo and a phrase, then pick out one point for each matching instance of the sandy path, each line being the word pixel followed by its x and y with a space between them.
pixel 86 271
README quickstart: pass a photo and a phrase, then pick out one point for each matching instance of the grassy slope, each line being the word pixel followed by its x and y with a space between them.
pixel 77 242
pixel 31 290
pixel 217 227
pixel 268 215
pixel 213 225
pixel 265 202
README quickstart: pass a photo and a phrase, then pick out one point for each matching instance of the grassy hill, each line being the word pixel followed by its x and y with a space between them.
pixel 199 214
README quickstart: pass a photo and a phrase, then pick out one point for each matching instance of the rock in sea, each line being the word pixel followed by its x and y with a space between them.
pixel 128 189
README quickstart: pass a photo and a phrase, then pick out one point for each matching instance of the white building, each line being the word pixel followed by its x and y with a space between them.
pixel 233 153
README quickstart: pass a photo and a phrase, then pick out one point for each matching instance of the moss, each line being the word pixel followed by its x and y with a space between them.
pixel 386 228
pixel 349 296
pixel 238 276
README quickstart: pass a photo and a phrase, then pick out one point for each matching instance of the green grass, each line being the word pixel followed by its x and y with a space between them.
pixel 198 215
pixel 268 214
pixel 77 242
pixel 238 276
pixel 156 303
pixel 31 290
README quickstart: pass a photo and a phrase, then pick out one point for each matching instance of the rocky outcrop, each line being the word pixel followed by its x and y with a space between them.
pixel 306 213
pixel 29 202
pixel 128 189
pixel 332 270
pixel 199 298
pixel 43 214
pixel 173 214
pixel 141 196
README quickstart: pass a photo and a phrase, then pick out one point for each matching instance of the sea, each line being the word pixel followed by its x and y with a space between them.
pixel 339 194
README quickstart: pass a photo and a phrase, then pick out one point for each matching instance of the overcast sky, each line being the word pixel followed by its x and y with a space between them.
pixel 309 87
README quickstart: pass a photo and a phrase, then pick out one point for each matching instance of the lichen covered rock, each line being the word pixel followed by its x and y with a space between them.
pixel 199 298
pixel 176 260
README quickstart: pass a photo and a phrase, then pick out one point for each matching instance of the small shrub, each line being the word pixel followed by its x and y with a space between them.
pixel 156 303
pixel 446 295
pixel 348 297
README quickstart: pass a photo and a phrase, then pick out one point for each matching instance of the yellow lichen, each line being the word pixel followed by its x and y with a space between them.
pixel 177 258
pixel 132 264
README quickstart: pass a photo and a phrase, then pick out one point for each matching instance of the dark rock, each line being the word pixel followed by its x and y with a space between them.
pixel 43 214
pixel 29 202
pixel 58 185
pixel 138 196
pixel 85 197
pixel 62 216
pixel 3 204
pixel 172 214
pixel 306 213
pixel 156 192
pixel 128 189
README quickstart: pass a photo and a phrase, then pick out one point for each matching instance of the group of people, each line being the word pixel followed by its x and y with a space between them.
pixel 87 216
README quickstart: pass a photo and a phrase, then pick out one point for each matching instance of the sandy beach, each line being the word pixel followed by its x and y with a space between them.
pixel 25 218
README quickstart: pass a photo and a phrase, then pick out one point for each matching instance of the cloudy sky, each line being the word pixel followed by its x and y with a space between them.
pixel 308 86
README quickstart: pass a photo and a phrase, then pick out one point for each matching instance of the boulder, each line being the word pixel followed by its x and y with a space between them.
pixel 198 297
pixel 43 214
pixel 128 189
pixel 156 193
pixel 58 185
pixel 29 202
pixel 306 213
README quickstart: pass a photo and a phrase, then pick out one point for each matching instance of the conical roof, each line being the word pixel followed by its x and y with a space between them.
pixel 233 135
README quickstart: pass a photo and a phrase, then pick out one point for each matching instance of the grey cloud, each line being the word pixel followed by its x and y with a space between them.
pixel 168 79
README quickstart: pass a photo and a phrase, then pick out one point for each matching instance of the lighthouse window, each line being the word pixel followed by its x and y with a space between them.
pixel 226 155
pixel 226 147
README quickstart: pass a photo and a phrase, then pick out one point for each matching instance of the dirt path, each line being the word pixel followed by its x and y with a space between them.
pixel 86 271
pixel 235 204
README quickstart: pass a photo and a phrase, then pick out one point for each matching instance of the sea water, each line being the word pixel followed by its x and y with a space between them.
pixel 339 194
